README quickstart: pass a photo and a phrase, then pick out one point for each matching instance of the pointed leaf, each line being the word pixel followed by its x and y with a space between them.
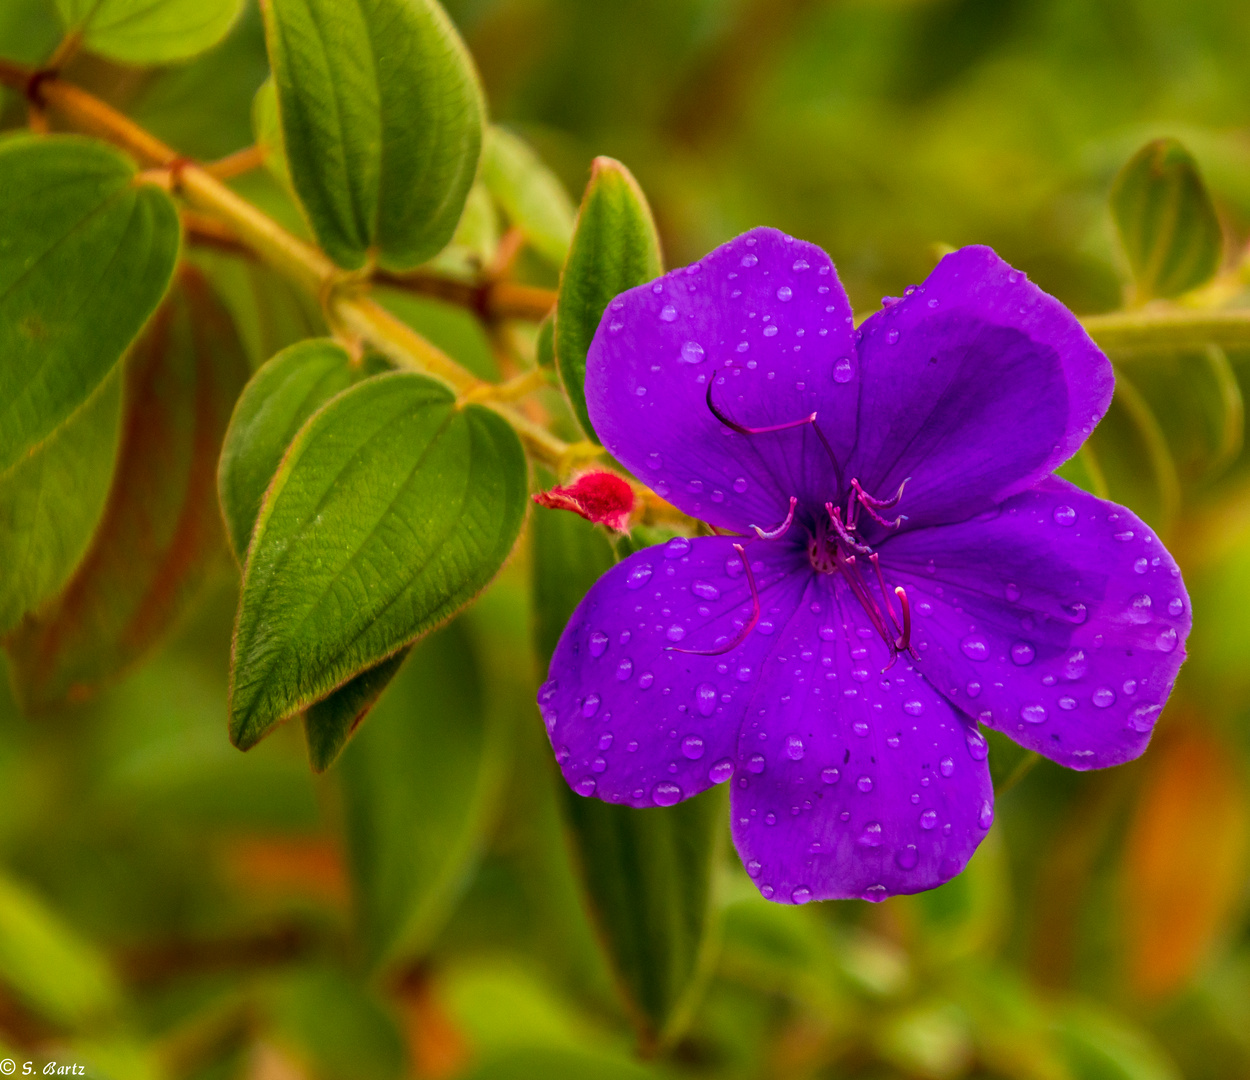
pixel 392 509
pixel 51 501
pixel 1166 220
pixel 615 247
pixel 647 873
pixel 530 194
pixel 330 722
pixel 419 784
pixel 161 527
pixel 277 400
pixel 381 117
pixel 86 254
pixel 149 31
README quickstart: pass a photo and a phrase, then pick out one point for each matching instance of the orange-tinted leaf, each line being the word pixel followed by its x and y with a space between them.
pixel 161 526
pixel 1185 860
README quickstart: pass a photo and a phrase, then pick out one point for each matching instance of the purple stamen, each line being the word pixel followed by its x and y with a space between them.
pixel 872 505
pixel 903 644
pixel 780 530
pixel 733 425
pixel 746 630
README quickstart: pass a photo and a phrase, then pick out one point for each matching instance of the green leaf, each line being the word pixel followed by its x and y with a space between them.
pixel 51 501
pixel 329 723
pixel 382 122
pixel 530 194
pixel 86 254
pixel 614 248
pixel 277 400
pixel 391 510
pixel 545 343
pixel 50 969
pixel 267 131
pixel 549 1063
pixel 647 874
pixel 1166 220
pixel 161 528
pixel 148 32
pixel 420 783
pixel 1100 1046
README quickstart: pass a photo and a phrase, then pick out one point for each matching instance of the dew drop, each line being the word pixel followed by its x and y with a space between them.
pixel 785 294
pixel 799 265
pixel 874 894
pixel 913 708
pixel 986 818
pixel 871 836
pixel 743 674
pixel 829 776
pixel 1143 717
pixel 740 485
pixel 891 338
pixel 721 771
pixel 801 895
pixel 598 765
pixel 705 698
pixel 1103 697
pixel 754 867
pixel 590 706
pixel 598 643
pixel 1012 592
pixel 586 786
pixel 842 369
pixel 666 794
pixel 864 783
pixel 563 754
pixel 1125 536
pixel 750 260
pixel 755 764
pixel 605 741
pixel 706 590
pixel 1033 713
pixel 973 689
pixel 978 748
pixel 947 767
pixel 692 747
pixel 860 727
pixel 1064 515
pixel 1166 641
pixel 1022 653
pixel 770 331
pixel 1130 687
pixel 692 352
pixel 1076 612
pixel 645 680
pixel 975 648
pixel 1139 608
pixel 675 632
pixel 624 670
pixel 676 547
pixel 794 748
pixel 638 576
pixel 1067 703
pixel 1176 605
pixel 907 857
pixel 767 892
pixel 928 820
pixel 1075 665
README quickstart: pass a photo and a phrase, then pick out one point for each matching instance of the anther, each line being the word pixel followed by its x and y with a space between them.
pixel 742 634
pixel 844 534
pixel 903 644
pixel 733 425
pixel 780 530
pixel 872 505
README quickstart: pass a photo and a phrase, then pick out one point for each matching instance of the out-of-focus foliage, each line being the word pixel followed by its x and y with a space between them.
pixel 171 908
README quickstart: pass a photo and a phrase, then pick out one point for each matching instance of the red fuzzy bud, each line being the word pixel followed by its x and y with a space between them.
pixel 598 496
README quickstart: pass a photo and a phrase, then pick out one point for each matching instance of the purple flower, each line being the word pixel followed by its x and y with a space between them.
pixel 904 565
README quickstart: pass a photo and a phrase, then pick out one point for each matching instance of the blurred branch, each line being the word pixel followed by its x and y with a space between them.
pixel 1161 461
pixel 1169 329
pixel 1233 426
pixel 162 961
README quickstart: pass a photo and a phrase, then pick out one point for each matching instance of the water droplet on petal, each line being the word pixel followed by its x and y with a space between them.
pixel 800 265
pixel 675 632
pixel 1064 515
pixel 1125 536
pixel 692 747
pixel 1166 641
pixel 864 783
pixel 598 765
pixel 1139 608
pixel 638 576
pixel 1067 703
pixel 986 818
pixel 947 767
pixel 692 352
pixel 978 748
pixel 770 331
pixel 676 547
pixel 705 697
pixel 871 836
pixel 586 786
pixel 1012 592
pixel 1022 653
pixel 928 820
pixel 1143 717
pixel 767 891
pixel 1033 713
pixel 590 705
pixel 973 689
pixel 754 867
pixel 794 748
pixel 668 313
pixel 624 670
pixel 784 294
pixel 891 338
pixel 907 857
pixel 975 648
pixel 721 771
pixel 1075 665
pixel 913 708
pixel 666 794
pixel 645 680
pixel 842 369
pixel 1176 605
pixel 801 895
pixel 755 764
pixel 829 776
pixel 750 260
pixel 706 590
pixel 598 643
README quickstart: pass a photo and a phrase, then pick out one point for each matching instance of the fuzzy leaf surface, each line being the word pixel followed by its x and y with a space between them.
pixel 391 510
pixel 615 247
pixel 529 192
pixel 144 32
pixel 381 117
pixel 86 254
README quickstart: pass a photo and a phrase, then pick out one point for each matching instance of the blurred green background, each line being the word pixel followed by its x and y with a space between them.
pixel 170 907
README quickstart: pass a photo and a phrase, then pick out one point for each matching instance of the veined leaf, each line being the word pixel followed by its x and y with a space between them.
pixel 50 503
pixel 1166 220
pixel 330 722
pixel 419 783
pixel 277 400
pixel 391 510
pixel 86 254
pixel 530 194
pixel 161 526
pixel 48 967
pixel 647 874
pixel 614 248
pixel 267 131
pixel 381 116
pixel 149 31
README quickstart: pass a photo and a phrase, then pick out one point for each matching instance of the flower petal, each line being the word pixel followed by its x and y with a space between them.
pixel 975 386
pixel 852 782
pixel 1059 620
pixel 631 718
pixel 766 319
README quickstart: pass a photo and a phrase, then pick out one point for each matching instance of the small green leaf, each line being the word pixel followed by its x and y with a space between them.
pixel 283 394
pixel 382 117
pixel 86 254
pixel 161 528
pixel 267 131
pixel 329 723
pixel 392 509
pixel 1166 220
pixel 615 247
pixel 419 784
pixel 545 343
pixel 50 969
pixel 530 194
pixel 149 31
pixel 647 874
pixel 51 501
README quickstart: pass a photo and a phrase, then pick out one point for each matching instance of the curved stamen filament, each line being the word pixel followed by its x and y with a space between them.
pixel 872 505
pixel 844 534
pixel 742 634
pixel 780 530
pixel 885 593
pixel 904 641
pixel 733 425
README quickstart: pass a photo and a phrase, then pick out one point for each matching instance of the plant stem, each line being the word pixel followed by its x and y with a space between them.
pixel 1170 328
